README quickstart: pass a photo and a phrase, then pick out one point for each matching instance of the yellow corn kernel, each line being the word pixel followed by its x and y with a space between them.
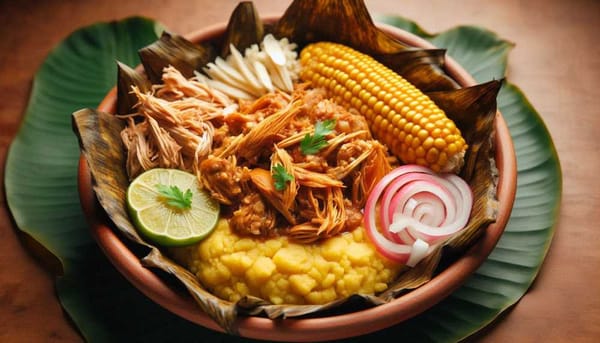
pixel 412 126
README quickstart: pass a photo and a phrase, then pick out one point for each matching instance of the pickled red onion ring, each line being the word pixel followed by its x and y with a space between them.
pixel 419 209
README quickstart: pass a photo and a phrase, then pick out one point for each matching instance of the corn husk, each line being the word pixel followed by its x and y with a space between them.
pixel 348 22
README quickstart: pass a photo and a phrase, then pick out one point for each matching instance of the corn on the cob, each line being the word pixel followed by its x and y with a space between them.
pixel 413 127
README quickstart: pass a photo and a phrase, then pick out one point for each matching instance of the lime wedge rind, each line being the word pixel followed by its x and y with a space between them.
pixel 162 224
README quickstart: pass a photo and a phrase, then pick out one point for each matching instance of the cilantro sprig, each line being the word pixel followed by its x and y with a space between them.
pixel 281 177
pixel 174 197
pixel 312 144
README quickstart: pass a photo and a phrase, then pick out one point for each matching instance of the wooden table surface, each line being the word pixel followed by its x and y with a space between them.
pixel 555 62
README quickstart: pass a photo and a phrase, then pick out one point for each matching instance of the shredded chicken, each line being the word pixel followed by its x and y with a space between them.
pixel 176 86
pixel 253 217
pixel 235 146
pixel 329 216
pixel 223 178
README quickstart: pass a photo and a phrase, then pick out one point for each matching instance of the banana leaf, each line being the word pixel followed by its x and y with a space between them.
pixel 422 67
pixel 346 22
pixel 172 49
pixel 243 29
pixel 349 23
pixel 126 78
pixel 99 135
pixel 106 308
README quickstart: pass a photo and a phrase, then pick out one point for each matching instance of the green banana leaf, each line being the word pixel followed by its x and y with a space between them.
pixel 42 194
pixel 41 186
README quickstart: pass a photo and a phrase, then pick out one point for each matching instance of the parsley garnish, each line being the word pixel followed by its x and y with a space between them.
pixel 175 197
pixel 281 177
pixel 311 145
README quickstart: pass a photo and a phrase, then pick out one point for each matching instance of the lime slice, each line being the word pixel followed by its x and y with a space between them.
pixel 182 217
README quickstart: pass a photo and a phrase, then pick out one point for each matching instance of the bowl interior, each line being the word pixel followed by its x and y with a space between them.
pixel 321 328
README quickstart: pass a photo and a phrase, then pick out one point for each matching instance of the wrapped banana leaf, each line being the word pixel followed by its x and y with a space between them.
pixel 176 51
pixel 243 29
pixel 126 78
pixel 100 141
pixel 422 67
pixel 348 22
pixel 337 21
pixel 473 109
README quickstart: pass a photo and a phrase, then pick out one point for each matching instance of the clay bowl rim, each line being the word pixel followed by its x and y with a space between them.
pixel 321 328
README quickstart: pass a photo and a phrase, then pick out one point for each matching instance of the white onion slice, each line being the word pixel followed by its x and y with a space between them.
pixel 420 249
pixel 419 209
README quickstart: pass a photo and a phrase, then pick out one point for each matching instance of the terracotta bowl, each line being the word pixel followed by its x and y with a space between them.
pixel 322 328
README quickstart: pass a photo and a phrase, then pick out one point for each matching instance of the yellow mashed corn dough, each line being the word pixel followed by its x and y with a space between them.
pixel 284 272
